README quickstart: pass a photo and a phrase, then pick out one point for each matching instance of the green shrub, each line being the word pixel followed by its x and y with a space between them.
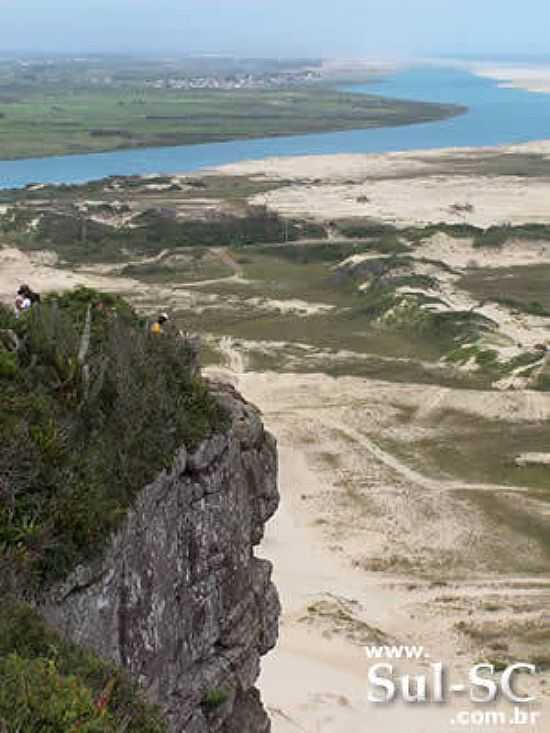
pixel 362 228
pixel 48 685
pixel 214 699
pixel 376 300
pixel 536 309
pixel 7 317
pixel 493 237
pixel 498 236
pixel 8 365
pixel 459 231
pixel 78 440
pixel 487 358
pixel 390 243
pixel 533 308
pixel 35 697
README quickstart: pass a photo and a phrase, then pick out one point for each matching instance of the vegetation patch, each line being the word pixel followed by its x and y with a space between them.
pixel 92 407
pixel 483 358
pixel 362 228
pixel 77 238
pixel 342 616
pixel 214 699
pixel 382 300
pixel 493 236
pixel 305 254
pixel 497 236
pixel 48 685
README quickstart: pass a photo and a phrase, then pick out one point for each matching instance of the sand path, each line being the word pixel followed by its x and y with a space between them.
pixel 405 471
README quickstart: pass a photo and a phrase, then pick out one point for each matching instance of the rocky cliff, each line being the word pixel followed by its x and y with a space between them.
pixel 178 598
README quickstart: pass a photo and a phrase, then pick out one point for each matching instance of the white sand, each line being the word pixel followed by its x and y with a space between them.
pixel 420 201
pixel 530 78
pixel 351 166
pixel 460 253
pixel 533 459
pixel 294 305
pixel 404 188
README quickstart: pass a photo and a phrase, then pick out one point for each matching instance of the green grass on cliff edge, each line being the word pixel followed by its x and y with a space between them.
pixel 48 685
pixel 78 442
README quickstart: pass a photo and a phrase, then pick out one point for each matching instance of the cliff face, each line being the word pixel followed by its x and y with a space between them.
pixel 179 598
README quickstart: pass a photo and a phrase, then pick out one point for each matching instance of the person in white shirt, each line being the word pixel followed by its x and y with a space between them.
pixel 22 304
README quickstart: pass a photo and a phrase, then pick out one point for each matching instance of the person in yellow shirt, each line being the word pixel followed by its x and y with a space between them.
pixel 156 328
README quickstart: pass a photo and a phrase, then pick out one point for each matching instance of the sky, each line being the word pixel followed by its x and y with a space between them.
pixel 327 28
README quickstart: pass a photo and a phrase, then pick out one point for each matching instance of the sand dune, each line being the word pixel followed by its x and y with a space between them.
pixel 473 186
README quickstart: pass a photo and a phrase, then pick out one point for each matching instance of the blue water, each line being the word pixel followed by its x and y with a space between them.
pixel 495 116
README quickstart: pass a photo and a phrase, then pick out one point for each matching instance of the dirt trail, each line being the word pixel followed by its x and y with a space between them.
pixel 214 281
pixel 408 473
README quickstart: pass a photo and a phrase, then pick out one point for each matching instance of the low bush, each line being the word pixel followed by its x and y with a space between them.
pixel 458 231
pixel 532 308
pixel 496 236
pixel 214 699
pixel 362 228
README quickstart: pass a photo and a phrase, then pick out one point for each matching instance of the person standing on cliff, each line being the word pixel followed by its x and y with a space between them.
pixel 25 299
pixel 157 327
pixel 22 302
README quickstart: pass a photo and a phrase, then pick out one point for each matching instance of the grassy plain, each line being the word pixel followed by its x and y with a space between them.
pixel 57 119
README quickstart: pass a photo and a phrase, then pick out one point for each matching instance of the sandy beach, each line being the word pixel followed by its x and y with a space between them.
pixel 531 78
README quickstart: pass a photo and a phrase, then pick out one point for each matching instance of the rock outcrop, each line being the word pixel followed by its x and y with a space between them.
pixel 178 598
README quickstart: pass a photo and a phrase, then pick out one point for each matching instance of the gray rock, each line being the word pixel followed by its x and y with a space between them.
pixel 207 452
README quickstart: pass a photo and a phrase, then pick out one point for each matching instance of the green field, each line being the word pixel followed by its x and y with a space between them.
pixel 56 120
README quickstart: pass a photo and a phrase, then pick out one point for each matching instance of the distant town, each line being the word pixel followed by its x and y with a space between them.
pixel 246 81
pixel 183 74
